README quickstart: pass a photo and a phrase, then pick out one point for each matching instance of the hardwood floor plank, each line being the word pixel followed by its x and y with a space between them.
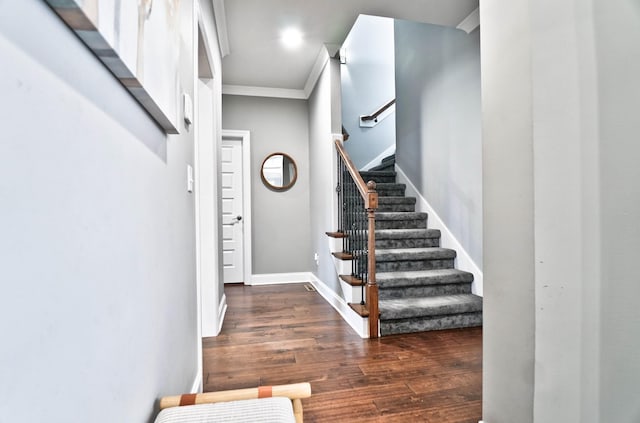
pixel 282 334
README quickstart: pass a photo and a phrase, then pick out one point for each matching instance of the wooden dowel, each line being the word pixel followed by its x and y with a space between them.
pixel 293 391
pixel 297 410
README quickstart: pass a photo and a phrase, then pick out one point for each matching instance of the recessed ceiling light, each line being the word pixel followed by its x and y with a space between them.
pixel 291 38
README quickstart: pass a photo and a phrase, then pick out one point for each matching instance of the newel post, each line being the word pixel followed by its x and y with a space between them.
pixel 372 286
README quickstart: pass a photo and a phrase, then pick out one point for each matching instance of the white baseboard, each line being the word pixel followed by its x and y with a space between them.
pixel 375 162
pixel 279 278
pixel 357 323
pixel 447 240
pixel 196 387
pixel 222 311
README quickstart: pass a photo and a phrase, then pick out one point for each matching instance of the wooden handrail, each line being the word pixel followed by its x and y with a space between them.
pixel 370 197
pixel 378 112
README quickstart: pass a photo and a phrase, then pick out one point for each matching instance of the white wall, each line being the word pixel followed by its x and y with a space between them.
pixel 280 219
pixel 560 101
pixel 323 121
pixel 98 304
pixel 439 139
pixel 367 84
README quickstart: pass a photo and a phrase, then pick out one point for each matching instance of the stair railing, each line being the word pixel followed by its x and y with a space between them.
pixel 374 116
pixel 356 220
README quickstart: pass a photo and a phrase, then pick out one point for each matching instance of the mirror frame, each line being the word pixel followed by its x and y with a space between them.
pixel 284 187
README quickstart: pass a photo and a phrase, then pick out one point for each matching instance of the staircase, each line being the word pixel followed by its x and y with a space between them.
pixel 419 288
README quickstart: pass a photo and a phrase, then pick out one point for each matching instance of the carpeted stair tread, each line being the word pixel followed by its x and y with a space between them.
pixel 411 254
pixel 390 189
pixel 422 277
pixel 390 185
pixel 405 308
pixel 396 200
pixel 429 323
pixel 379 176
pixel 400 215
pixel 406 233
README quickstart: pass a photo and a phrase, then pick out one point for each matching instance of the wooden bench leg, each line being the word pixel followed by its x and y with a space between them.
pixel 297 410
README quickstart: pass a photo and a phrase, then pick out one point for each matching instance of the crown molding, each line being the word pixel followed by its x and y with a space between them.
pixel 471 22
pixel 263 92
pixel 221 26
pixel 316 71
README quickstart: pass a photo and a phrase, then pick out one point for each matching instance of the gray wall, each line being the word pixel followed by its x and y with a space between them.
pixel 368 83
pixel 323 121
pixel 562 202
pixel 98 304
pixel 281 233
pixel 439 143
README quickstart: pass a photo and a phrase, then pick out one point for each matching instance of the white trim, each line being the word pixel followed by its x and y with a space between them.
pixel 263 92
pixel 316 71
pixel 222 311
pixel 471 22
pixel 220 17
pixel 279 278
pixel 378 160
pixel 196 386
pixel 245 138
pixel 359 324
pixel 447 240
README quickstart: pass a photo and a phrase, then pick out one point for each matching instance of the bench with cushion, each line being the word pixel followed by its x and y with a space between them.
pixel 265 404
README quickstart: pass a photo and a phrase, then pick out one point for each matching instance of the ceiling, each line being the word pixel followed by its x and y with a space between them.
pixel 258 59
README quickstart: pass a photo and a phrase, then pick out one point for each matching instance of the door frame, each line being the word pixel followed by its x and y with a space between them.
pixel 245 139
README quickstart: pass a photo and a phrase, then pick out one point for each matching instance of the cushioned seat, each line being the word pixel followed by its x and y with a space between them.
pixel 264 410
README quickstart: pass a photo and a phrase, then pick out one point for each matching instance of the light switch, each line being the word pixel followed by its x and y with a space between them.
pixel 189 178
pixel 188 108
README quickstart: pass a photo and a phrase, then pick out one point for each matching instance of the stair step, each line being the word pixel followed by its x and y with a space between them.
pixel 429 313
pixel 391 189
pixel 389 158
pixel 423 283
pixel 423 324
pixel 442 305
pixel 401 220
pixel 352 280
pixel 401 259
pixel 379 176
pixel 361 309
pixel 407 233
pixel 402 254
pixel 396 204
pixel 422 277
pixel 337 235
pixel 343 256
pixel 407 238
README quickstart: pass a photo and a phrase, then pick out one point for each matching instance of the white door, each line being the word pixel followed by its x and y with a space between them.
pixel 232 206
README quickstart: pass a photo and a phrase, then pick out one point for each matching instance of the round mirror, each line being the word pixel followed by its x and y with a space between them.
pixel 279 171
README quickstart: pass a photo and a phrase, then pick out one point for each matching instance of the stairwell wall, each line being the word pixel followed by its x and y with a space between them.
pixel 367 82
pixel 562 204
pixel 98 305
pixel 438 124
pixel 324 119
pixel 281 219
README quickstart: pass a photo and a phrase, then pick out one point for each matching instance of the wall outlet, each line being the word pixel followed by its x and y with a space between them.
pixel 316 258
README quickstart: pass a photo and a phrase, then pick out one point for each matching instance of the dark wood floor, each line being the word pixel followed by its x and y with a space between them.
pixel 282 334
